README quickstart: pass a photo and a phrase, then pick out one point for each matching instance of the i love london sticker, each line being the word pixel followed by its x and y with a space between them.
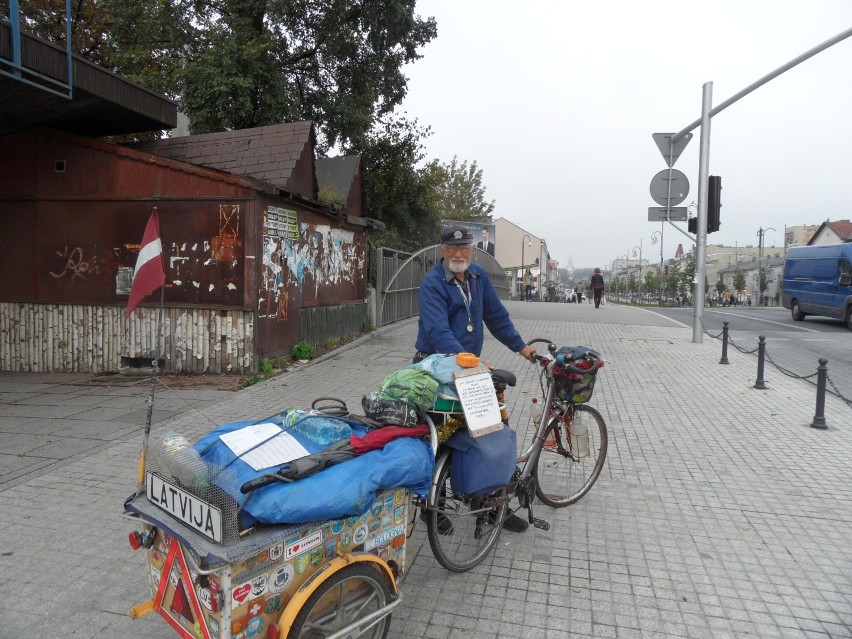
pixel 303 545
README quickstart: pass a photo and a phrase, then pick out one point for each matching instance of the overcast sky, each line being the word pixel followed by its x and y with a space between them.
pixel 556 101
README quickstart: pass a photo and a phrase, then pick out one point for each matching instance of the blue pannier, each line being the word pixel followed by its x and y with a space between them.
pixel 482 464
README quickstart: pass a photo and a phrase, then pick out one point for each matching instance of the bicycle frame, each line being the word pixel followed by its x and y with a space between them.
pixel 531 454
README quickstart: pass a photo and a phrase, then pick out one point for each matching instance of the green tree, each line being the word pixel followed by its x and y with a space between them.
pixel 739 280
pixel 396 192
pixel 688 273
pixel 460 193
pixel 142 40
pixel 245 63
pixel 338 63
pixel 673 279
pixel 720 286
pixel 652 282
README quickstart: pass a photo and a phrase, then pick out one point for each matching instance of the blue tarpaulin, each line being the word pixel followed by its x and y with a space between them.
pixel 346 489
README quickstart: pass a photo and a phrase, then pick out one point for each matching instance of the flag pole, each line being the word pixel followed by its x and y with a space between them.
pixel 147 241
pixel 154 371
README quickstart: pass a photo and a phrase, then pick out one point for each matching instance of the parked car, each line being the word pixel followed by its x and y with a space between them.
pixel 818 281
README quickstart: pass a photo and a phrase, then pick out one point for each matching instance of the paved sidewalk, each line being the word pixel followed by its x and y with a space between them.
pixel 719 513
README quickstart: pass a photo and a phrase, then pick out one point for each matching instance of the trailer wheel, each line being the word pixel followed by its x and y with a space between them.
pixel 350 594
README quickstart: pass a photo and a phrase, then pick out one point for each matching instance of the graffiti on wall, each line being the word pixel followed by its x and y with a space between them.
pixel 199 267
pixel 303 256
pixel 83 263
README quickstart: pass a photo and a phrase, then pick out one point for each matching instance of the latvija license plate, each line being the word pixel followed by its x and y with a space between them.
pixel 186 507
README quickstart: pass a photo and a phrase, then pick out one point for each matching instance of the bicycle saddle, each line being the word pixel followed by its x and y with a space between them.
pixel 507 377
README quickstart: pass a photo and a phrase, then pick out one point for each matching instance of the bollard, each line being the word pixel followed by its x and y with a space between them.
pixel 724 359
pixel 819 417
pixel 761 353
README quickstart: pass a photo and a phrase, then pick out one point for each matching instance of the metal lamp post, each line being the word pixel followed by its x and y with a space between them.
pixel 626 259
pixel 654 241
pixel 639 248
pixel 760 233
pixel 523 273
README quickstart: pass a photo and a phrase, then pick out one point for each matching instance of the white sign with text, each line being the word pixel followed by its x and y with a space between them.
pixel 478 400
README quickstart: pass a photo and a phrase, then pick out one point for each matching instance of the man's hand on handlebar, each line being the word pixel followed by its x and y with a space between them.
pixel 528 352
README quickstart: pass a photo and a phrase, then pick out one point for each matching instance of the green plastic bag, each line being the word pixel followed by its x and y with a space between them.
pixel 416 387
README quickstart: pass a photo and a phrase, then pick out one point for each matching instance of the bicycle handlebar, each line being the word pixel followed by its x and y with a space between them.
pixel 551 347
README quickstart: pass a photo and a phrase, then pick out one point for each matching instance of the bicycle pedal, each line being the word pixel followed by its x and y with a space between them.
pixel 540 524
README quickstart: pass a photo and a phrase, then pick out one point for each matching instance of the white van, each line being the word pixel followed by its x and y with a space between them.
pixel 818 281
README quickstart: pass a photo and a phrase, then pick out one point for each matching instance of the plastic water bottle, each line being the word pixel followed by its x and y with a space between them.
pixel 184 462
pixel 320 429
pixel 536 411
pixel 580 436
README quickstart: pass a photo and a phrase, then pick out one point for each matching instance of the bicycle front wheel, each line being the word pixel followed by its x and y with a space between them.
pixel 462 529
pixel 564 472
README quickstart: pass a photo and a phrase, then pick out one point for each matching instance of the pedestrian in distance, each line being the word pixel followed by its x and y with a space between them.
pixel 457 301
pixel 528 284
pixel 597 283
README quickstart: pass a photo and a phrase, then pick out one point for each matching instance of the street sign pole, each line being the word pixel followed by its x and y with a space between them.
pixel 701 235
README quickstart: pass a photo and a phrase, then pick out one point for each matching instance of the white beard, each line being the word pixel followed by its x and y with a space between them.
pixel 458 267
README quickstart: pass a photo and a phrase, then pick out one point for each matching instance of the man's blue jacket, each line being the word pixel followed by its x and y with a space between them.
pixel 442 327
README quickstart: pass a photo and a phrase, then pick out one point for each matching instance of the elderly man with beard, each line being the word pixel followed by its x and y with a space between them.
pixel 457 299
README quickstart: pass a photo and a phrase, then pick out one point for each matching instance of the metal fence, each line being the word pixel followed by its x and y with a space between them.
pixel 319 324
pixel 398 277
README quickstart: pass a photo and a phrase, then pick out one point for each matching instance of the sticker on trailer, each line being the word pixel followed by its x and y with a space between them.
pixel 186 507
pixel 258 585
pixel 276 552
pixel 255 607
pixel 385 537
pixel 281 578
pixel 303 545
pixel 272 604
pixel 241 594
pixel 205 597
pixel 254 627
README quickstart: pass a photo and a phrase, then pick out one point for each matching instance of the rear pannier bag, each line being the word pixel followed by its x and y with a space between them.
pixel 482 464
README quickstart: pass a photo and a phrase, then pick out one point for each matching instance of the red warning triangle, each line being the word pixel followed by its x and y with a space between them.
pixel 180 605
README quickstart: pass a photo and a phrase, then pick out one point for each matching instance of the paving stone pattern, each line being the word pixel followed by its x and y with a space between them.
pixel 719 513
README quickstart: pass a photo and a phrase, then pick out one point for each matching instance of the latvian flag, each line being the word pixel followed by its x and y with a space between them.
pixel 149 274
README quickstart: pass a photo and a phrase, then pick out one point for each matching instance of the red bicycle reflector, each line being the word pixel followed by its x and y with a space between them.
pixel 135 539
pixel 272 632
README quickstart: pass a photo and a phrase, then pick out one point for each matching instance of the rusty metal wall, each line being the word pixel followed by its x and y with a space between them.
pixel 94 339
pixel 306 261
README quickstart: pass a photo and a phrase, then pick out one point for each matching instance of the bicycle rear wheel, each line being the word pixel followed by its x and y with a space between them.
pixel 560 477
pixel 462 529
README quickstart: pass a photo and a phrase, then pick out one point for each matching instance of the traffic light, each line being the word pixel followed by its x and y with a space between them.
pixel 714 205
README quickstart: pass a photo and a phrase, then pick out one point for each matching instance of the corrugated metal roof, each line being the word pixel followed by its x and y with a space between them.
pixel 103 103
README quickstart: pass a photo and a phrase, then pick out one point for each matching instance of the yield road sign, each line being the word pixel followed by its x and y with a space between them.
pixel 675 214
pixel 662 194
pixel 671 151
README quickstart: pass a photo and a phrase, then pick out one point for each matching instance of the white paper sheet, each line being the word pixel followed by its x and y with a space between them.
pixel 280 449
